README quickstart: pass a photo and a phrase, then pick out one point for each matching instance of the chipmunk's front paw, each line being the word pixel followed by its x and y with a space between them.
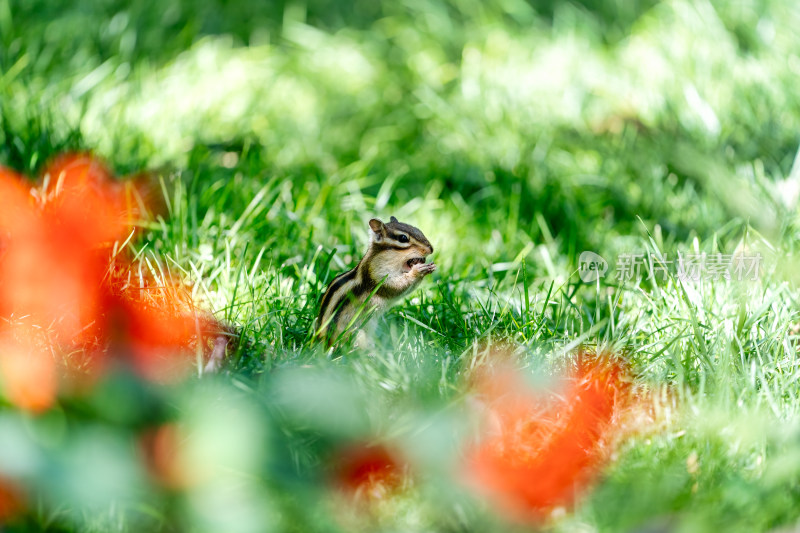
pixel 423 269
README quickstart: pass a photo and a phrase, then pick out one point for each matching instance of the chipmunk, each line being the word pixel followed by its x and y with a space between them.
pixel 393 266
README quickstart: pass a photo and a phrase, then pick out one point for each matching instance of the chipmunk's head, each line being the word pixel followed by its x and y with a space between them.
pixel 408 244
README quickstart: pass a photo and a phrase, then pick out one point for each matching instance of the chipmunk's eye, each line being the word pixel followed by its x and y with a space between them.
pixel 402 238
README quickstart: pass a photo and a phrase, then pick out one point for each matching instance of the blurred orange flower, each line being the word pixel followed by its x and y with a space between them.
pixel 164 457
pixel 540 450
pixel 64 287
pixel 27 372
pixel 56 243
pixel 11 502
pixel 368 472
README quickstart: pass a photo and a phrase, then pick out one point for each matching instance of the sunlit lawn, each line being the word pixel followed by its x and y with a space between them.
pixel 516 135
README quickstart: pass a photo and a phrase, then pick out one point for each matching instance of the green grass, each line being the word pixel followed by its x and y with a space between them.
pixel 515 135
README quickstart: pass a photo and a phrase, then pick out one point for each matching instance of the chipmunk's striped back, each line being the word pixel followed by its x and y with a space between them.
pixel 393 264
pixel 338 301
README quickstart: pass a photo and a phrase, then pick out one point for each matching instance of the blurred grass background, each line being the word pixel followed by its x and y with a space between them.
pixel 515 134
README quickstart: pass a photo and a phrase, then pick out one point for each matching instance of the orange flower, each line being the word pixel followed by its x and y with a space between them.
pixel 57 242
pixel 159 334
pixel 541 450
pixel 83 206
pixel 59 276
pixel 163 455
pixel 367 472
pixel 27 373
pixel 11 502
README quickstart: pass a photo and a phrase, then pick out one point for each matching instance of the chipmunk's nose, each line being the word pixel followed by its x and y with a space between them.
pixel 430 249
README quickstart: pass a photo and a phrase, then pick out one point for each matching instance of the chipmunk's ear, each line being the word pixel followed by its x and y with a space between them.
pixel 377 228
pixel 392 219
